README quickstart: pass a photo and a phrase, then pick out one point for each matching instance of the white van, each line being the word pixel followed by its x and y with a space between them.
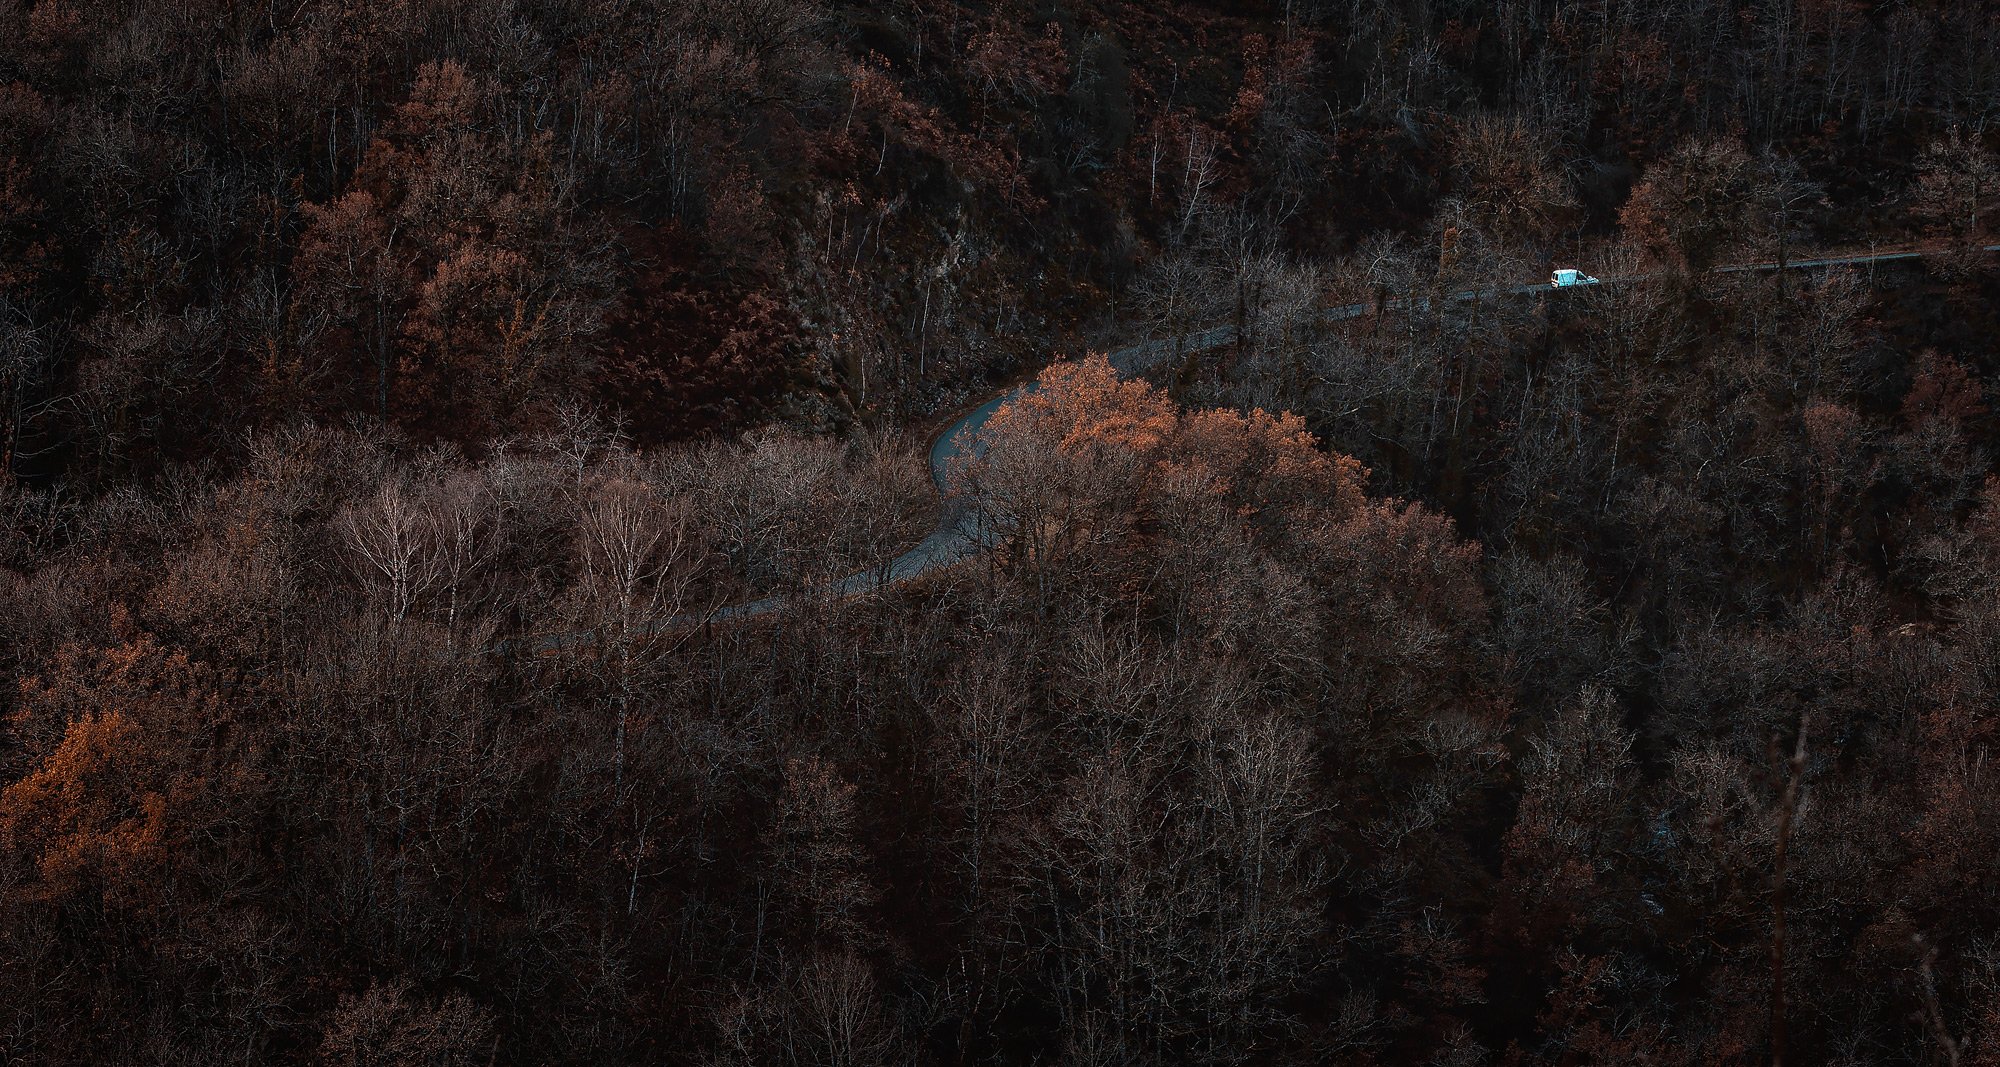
pixel 1570 276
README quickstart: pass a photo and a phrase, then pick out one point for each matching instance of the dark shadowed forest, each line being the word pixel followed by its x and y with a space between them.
pixel 396 397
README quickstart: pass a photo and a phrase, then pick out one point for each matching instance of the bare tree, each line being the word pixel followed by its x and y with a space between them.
pixel 1789 774
pixel 1199 172
pixel 1508 176
pixel 638 560
pixel 471 534
pixel 386 1024
pixel 840 1013
pixel 395 545
pixel 1958 179
pixel 816 873
pixel 1172 296
pixel 1786 198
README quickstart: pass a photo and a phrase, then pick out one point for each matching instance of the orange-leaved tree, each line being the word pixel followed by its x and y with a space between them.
pixel 1220 523
pixel 119 744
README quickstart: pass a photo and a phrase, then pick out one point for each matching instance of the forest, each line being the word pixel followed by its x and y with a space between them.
pixel 401 401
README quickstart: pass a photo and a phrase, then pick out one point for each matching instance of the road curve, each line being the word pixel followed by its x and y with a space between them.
pixel 957 534
pixel 954 537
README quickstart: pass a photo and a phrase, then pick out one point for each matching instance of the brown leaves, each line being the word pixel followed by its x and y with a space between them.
pixel 1577 797
pixel 1958 182
pixel 443 99
pixel 445 285
pixel 1082 408
pixel 991 162
pixel 476 340
pixel 1004 60
pixel 1942 390
pixel 25 122
pixel 80 817
pixel 816 867
pixel 1693 207
pixel 684 358
pixel 103 807
pixel 389 1026
pixel 1236 530
pixel 1508 174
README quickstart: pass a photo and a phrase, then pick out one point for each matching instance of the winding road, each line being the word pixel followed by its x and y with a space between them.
pixel 957 534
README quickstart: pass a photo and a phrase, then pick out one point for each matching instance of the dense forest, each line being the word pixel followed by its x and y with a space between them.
pixel 400 398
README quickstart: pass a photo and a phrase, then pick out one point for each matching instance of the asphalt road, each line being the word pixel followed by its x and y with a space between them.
pixel 957 533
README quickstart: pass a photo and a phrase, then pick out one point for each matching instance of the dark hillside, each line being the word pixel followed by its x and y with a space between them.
pixel 473 588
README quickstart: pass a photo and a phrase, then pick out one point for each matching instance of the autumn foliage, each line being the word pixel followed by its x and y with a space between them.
pixel 455 455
